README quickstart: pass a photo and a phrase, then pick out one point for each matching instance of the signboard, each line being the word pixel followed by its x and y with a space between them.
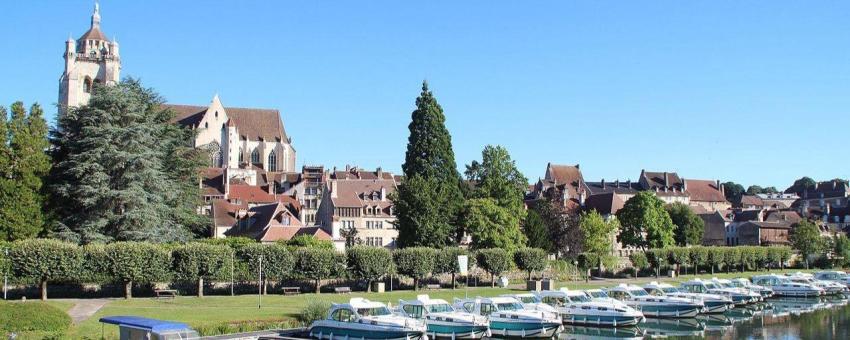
pixel 463 264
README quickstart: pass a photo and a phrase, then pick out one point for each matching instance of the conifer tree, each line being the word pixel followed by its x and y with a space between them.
pixel 116 178
pixel 429 197
pixel 23 166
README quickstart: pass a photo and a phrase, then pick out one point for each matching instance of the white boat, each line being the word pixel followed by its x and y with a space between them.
pixel 726 283
pixel 740 282
pixel 738 297
pixel 655 306
pixel 366 320
pixel 442 320
pixel 834 275
pixel 714 303
pixel 830 287
pixel 531 301
pixel 508 318
pixel 783 286
pixel 576 308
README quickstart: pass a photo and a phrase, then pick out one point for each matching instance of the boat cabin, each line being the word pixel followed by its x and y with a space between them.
pixel 139 328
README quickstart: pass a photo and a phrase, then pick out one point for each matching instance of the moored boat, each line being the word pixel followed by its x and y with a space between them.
pixel 738 297
pixel 714 303
pixel 508 318
pixel 443 321
pixel 754 296
pixel 740 282
pixel 576 308
pixel 783 286
pixel 655 306
pixel 366 320
pixel 829 287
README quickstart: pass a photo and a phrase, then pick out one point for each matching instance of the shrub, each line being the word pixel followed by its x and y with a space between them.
pixel 678 256
pixel 45 260
pixel 697 256
pixel 199 261
pixel 309 241
pixel 639 261
pixel 369 263
pixel 445 261
pixel 415 262
pixel 714 257
pixel 234 243
pixel 94 268
pixel 495 261
pixel 316 264
pixel 32 317
pixel 277 262
pixel 315 310
pixel 137 262
pixel 530 260
pixel 731 257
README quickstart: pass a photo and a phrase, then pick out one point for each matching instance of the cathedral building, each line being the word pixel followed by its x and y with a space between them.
pixel 91 59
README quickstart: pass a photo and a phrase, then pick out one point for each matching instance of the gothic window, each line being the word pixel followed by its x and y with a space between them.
pixel 255 156
pixel 241 157
pixel 215 154
pixel 87 84
pixel 272 161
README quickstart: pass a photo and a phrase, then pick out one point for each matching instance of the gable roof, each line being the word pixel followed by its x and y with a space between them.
pixel 605 203
pixel 357 192
pixel 704 190
pixel 659 180
pixel 251 123
pixel 751 200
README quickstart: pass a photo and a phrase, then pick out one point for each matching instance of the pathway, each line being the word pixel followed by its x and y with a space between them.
pixel 85 308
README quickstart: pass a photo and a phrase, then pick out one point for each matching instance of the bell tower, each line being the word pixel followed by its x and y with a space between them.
pixel 90 60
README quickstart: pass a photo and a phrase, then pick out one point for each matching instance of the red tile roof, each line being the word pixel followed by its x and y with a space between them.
pixel 254 124
pixel 704 190
pixel 250 194
pixel 607 203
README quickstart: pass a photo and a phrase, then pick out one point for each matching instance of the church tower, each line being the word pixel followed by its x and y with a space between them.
pixel 91 59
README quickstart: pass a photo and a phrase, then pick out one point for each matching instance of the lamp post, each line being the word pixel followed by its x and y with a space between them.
pixel 260 295
pixel 5 274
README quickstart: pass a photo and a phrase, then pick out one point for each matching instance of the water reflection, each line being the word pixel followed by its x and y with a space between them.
pixel 784 318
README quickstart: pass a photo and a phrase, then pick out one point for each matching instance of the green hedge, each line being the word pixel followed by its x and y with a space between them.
pixel 530 260
pixel 44 260
pixel 494 261
pixel 199 261
pixel 369 263
pixel 415 262
pixel 727 258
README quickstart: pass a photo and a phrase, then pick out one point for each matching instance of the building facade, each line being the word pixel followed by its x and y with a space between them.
pixel 92 59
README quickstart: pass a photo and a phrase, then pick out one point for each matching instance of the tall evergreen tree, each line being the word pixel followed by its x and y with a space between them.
pixel 429 197
pixel 114 176
pixel 23 166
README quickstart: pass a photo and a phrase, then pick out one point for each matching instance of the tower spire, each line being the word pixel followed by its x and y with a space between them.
pixel 95 17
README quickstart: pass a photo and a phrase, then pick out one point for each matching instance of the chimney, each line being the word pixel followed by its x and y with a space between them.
pixel 380 173
pixel 617 183
pixel 684 184
pixel 581 198
pixel 226 179
pixel 629 183
pixel 347 168
pixel 577 166
pixel 332 186
pixel 383 194
pixel 666 180
pixel 602 182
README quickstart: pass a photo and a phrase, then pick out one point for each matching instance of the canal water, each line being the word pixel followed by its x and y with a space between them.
pixel 823 318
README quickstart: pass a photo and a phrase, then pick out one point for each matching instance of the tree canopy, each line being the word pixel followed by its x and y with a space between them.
pixel 123 170
pixel 535 231
pixel 733 192
pixel 689 227
pixel 644 223
pixel 562 226
pixel 429 198
pixel 806 239
pixel 497 177
pixel 491 226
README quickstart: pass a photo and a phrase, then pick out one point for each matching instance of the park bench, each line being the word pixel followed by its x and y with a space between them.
pixel 432 286
pixel 291 290
pixel 339 290
pixel 165 293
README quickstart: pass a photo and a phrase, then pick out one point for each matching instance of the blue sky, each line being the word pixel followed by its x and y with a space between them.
pixel 753 92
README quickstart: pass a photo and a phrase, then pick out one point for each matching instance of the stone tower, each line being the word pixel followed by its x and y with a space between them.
pixel 90 60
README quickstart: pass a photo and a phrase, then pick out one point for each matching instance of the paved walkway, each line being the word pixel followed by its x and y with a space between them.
pixel 85 308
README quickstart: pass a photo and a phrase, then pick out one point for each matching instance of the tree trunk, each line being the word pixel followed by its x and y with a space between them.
pixel 807 263
pixel 318 286
pixel 265 286
pixel 368 286
pixel 712 269
pixel 415 284
pixel 128 290
pixel 492 280
pixel 529 275
pixel 43 290
pixel 453 280
pixel 200 287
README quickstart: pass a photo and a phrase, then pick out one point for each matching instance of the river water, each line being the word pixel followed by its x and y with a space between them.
pixel 823 318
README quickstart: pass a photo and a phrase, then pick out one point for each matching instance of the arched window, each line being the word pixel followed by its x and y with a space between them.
pixel 241 157
pixel 215 154
pixel 255 156
pixel 272 161
pixel 87 84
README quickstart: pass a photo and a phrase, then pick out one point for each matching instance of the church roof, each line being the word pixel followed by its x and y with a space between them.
pixel 251 123
pixel 93 33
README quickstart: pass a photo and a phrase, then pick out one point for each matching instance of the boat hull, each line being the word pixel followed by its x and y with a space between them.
pixel 339 333
pixel 668 311
pixel 438 331
pixel 601 320
pixel 525 329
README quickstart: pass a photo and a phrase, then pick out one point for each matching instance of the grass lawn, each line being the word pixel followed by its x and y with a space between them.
pixel 220 309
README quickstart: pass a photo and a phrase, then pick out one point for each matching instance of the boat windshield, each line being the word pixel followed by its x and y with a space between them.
pixel 669 290
pixel 579 298
pixel 598 294
pixel 440 308
pixel 638 292
pixel 711 285
pixel 528 299
pixel 373 311
pixel 737 284
pixel 509 306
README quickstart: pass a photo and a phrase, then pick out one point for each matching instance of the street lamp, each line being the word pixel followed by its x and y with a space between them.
pixel 5 273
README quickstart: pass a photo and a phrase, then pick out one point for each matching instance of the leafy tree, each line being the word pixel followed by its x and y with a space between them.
pixel 563 226
pixel 689 227
pixel 309 241
pixel 446 261
pixel 714 257
pixel 113 178
pixel 429 197
pixel 657 258
pixel 200 261
pixel 731 257
pixel 535 231
pixel 369 263
pixel 733 192
pixel 277 262
pixel 530 260
pixel 644 222
pixel 805 237
pixel 415 262
pixel 316 264
pixel 494 261
pixel 491 226
pixel 678 256
pixel 137 262
pixel 803 183
pixel 45 260
pixel 639 261
pixel 351 237
pixel 497 177
pixel 698 256
pixel 841 249
pixel 23 166
pixel 754 189
pixel 597 233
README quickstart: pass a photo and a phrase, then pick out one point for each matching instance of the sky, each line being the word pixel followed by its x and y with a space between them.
pixel 755 92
